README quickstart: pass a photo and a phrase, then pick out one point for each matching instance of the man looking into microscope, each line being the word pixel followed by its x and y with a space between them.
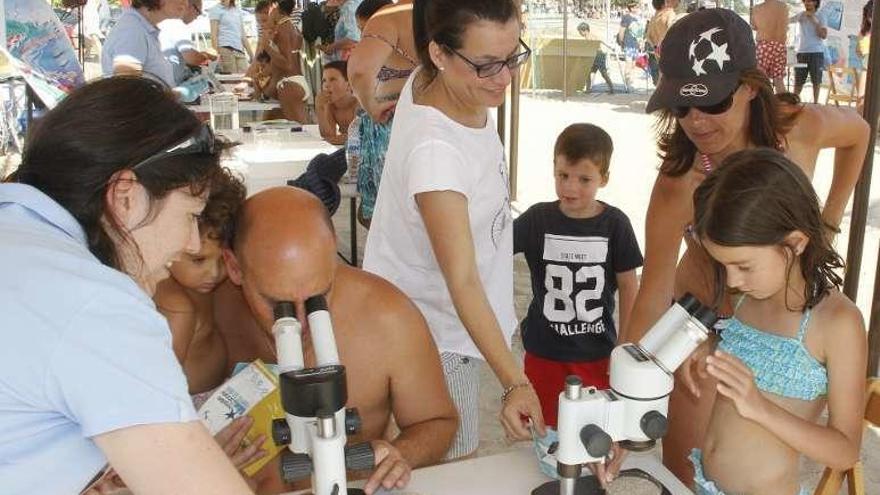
pixel 391 361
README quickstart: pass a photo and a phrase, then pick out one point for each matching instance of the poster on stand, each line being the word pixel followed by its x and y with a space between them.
pixel 40 49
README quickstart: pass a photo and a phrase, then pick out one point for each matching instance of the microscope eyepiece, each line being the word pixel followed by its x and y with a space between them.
pixel 689 303
pixel 316 303
pixel 706 316
pixel 284 309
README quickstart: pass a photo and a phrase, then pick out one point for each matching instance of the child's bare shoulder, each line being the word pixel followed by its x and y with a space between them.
pixel 836 316
pixel 172 297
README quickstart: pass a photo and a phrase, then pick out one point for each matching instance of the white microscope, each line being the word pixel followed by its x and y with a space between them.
pixel 316 421
pixel 633 412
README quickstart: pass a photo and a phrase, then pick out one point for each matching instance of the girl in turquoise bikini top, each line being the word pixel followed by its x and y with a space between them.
pixel 794 343
pixel 781 365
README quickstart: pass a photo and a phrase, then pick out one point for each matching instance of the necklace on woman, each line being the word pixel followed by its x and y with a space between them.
pixel 706 162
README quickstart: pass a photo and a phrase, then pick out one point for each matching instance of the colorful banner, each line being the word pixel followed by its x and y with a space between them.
pixel 844 19
pixel 41 49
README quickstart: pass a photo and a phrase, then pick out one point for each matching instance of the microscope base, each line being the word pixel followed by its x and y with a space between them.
pixel 589 485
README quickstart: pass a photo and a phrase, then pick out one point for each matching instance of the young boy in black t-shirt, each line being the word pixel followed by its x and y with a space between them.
pixel 580 251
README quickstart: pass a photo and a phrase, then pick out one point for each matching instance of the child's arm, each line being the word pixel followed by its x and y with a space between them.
pixel 178 309
pixel 327 124
pixel 521 231
pixel 836 444
pixel 627 287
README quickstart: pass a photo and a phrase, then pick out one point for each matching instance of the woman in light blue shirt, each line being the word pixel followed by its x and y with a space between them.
pixel 107 196
pixel 811 50
pixel 229 38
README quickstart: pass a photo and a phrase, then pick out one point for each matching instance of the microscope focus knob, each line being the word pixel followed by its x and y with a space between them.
pixel 352 421
pixel 654 425
pixel 295 466
pixel 596 441
pixel 281 432
pixel 360 457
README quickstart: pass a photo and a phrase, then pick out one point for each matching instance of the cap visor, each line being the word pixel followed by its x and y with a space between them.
pixel 692 92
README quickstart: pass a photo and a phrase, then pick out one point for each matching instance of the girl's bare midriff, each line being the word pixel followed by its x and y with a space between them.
pixel 735 446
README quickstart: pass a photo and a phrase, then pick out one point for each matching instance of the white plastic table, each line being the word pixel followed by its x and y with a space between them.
pixel 510 473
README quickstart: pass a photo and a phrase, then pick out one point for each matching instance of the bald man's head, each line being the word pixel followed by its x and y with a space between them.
pixel 284 214
pixel 284 249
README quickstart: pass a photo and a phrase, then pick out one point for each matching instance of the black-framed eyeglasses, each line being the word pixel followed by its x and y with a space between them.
pixel 201 141
pixel 491 68
pixel 722 106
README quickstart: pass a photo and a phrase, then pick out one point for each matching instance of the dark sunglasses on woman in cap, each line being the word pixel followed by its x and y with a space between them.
pixel 722 106
pixel 200 142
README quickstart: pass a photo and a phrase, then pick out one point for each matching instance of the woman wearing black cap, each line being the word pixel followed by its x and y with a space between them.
pixel 713 101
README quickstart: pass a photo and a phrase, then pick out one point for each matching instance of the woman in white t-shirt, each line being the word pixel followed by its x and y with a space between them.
pixel 442 230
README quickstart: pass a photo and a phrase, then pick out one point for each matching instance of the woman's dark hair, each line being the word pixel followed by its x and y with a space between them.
pixel 818 3
pixel 105 127
pixel 658 4
pixel 286 6
pixel 867 18
pixel 340 65
pixel 369 7
pixel 445 21
pixel 757 199
pixel 147 4
pixel 263 6
pixel 771 117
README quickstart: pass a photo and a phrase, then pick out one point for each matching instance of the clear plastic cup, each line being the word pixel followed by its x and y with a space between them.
pixel 224 111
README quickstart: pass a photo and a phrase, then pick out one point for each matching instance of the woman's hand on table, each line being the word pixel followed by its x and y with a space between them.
pixel 391 471
pixel 521 405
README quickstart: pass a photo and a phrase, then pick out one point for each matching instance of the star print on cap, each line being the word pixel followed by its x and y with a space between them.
pixel 702 57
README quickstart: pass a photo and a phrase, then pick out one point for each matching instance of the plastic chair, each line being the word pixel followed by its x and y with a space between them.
pixel 832 479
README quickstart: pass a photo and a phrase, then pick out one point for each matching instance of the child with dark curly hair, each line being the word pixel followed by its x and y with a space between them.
pixel 186 298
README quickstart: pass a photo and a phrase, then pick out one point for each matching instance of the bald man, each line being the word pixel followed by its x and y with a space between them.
pixel 284 249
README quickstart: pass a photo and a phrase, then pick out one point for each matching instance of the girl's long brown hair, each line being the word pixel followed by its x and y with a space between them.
pixel 757 198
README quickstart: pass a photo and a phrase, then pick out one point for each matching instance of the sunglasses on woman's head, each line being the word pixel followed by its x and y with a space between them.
pixel 722 106
pixel 200 142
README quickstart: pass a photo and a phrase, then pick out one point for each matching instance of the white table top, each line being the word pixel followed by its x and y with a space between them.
pixel 278 157
pixel 511 473
pixel 243 106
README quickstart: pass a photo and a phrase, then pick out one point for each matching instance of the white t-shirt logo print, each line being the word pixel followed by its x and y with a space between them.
pixel 718 53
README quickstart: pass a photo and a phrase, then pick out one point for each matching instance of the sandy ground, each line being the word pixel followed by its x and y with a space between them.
pixel 633 169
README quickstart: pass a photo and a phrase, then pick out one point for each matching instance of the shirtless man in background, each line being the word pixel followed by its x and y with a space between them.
pixel 770 22
pixel 391 361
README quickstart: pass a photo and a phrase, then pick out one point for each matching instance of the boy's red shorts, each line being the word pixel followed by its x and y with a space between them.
pixel 548 379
